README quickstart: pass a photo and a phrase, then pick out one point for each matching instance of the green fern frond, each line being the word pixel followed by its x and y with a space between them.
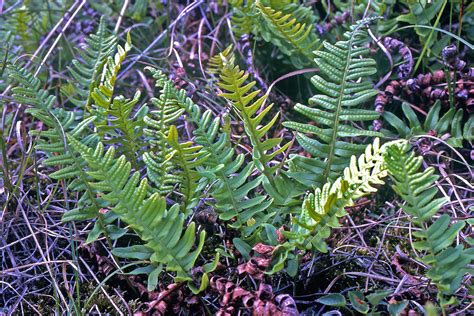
pixel 86 68
pixel 103 94
pixel 321 210
pixel 217 62
pixel 344 87
pixel 448 264
pixel 53 143
pixel 252 113
pixel 124 128
pixel 243 16
pixel 164 112
pixel 292 37
pixel 162 230
pixel 187 157
pixel 231 185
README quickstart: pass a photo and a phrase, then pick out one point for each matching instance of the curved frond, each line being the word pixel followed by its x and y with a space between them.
pixel 162 230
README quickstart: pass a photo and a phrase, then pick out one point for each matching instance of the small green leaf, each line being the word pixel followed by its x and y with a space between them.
pixel 242 247
pixel 378 296
pixel 138 252
pixel 358 302
pixel 397 308
pixel 335 299
pixel 153 278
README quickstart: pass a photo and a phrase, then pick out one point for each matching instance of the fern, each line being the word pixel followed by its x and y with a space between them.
pixel 188 158
pixel 243 16
pixel 238 95
pixel 162 230
pixel 450 122
pixel 52 141
pixel 231 184
pixel 103 94
pixel 165 111
pixel 86 69
pixel 344 86
pixel 294 38
pixel 448 264
pixel 322 209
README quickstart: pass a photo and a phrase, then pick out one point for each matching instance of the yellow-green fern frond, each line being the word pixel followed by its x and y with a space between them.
pixel 252 110
pixel 293 38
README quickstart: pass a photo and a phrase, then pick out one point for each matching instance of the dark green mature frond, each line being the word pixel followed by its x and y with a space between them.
pixel 344 86
pixel 243 16
pixel 162 230
pixel 53 142
pixel 29 89
pixel 85 70
pixel 124 127
pixel 448 264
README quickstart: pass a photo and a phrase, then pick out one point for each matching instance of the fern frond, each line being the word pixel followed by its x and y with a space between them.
pixel 53 143
pixel 164 112
pixel 294 38
pixel 217 62
pixel 103 94
pixel 344 87
pixel 162 230
pixel 231 183
pixel 243 16
pixel 448 264
pixel 321 210
pixel 187 157
pixel 252 113
pixel 86 68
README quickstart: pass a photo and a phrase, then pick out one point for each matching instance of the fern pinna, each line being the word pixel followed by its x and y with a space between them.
pixel 448 264
pixel 344 86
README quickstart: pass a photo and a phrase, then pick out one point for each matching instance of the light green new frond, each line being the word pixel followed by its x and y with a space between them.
pixel 85 70
pixel 292 37
pixel 217 62
pixel 252 111
pixel 448 264
pixel 103 94
pixel 320 211
pixel 162 230
pixel 344 86
pixel 187 157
